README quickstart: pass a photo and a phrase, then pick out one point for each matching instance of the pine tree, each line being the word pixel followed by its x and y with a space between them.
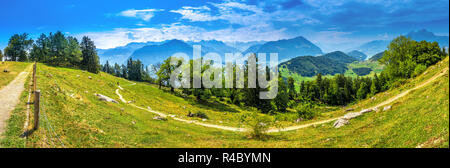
pixel 90 58
pixel 282 96
pixel 291 86
pixel 361 94
pixel 73 52
pixel 373 88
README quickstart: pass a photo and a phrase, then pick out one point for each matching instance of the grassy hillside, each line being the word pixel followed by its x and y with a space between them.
pixel 14 69
pixel 347 71
pixel 73 117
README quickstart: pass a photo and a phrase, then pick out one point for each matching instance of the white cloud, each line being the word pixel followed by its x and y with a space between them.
pixel 195 13
pixel 144 14
pixel 240 13
pixel 123 36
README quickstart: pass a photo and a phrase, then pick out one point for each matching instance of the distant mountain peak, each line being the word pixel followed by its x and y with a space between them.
pixel 422 33
pixel 340 57
pixel 357 54
pixel 300 38
pixel 290 48
pixel 175 41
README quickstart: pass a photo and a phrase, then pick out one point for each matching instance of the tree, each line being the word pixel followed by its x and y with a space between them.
pixel 41 49
pixel 18 46
pixel 106 67
pixel 154 68
pixel 291 86
pixel 117 70
pixel 164 73
pixel 90 58
pixel 73 52
pixel 373 87
pixel 362 93
pixel 282 96
pixel 405 57
pixel 124 72
pixel 1 55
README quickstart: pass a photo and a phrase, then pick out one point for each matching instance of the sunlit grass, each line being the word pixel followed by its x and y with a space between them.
pixel 14 69
pixel 76 118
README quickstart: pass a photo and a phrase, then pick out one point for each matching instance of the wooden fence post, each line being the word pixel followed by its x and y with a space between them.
pixel 34 77
pixel 37 95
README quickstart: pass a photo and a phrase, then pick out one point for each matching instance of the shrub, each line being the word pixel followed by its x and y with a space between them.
pixel 419 69
pixel 259 125
pixel 200 114
pixel 306 111
pixel 291 103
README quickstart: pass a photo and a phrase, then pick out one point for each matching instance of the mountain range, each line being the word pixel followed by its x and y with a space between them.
pixel 377 46
pixel 120 54
pixel 153 52
pixel 327 64
pixel 290 48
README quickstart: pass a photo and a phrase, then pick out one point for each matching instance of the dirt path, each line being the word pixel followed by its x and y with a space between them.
pixel 392 99
pixel 9 97
pixel 148 109
pixel 290 128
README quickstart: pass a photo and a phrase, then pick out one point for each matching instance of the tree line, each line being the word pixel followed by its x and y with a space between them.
pixel 54 49
pixel 405 58
pixel 133 70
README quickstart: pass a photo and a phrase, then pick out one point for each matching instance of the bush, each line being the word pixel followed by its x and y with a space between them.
pixel 419 70
pixel 291 103
pixel 306 111
pixel 201 115
pixel 259 125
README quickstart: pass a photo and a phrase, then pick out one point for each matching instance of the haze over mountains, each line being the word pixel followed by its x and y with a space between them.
pixel 153 52
pixel 374 47
pixel 358 55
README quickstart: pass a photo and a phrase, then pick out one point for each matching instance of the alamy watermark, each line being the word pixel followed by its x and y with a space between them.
pixel 209 72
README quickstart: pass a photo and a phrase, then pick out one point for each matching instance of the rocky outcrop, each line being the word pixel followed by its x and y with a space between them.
pixel 345 119
pixel 105 98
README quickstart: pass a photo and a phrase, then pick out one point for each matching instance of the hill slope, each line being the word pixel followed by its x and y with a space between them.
pixel 73 117
pixel 14 68
pixel 328 64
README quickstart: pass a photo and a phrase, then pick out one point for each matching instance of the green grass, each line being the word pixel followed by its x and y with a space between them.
pixel 374 65
pixel 73 117
pixel 14 69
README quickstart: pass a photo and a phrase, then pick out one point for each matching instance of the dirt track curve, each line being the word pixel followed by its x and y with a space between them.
pixel 290 128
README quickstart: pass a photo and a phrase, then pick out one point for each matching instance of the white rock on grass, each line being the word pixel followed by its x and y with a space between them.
pixel 340 122
pixel 345 119
pixel 387 108
pixel 349 116
pixel 366 111
pixel 105 98
pixel 159 118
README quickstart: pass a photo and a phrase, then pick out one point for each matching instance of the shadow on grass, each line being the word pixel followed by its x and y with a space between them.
pixel 27 133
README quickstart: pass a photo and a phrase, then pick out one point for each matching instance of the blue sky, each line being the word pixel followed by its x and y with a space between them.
pixel 331 24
